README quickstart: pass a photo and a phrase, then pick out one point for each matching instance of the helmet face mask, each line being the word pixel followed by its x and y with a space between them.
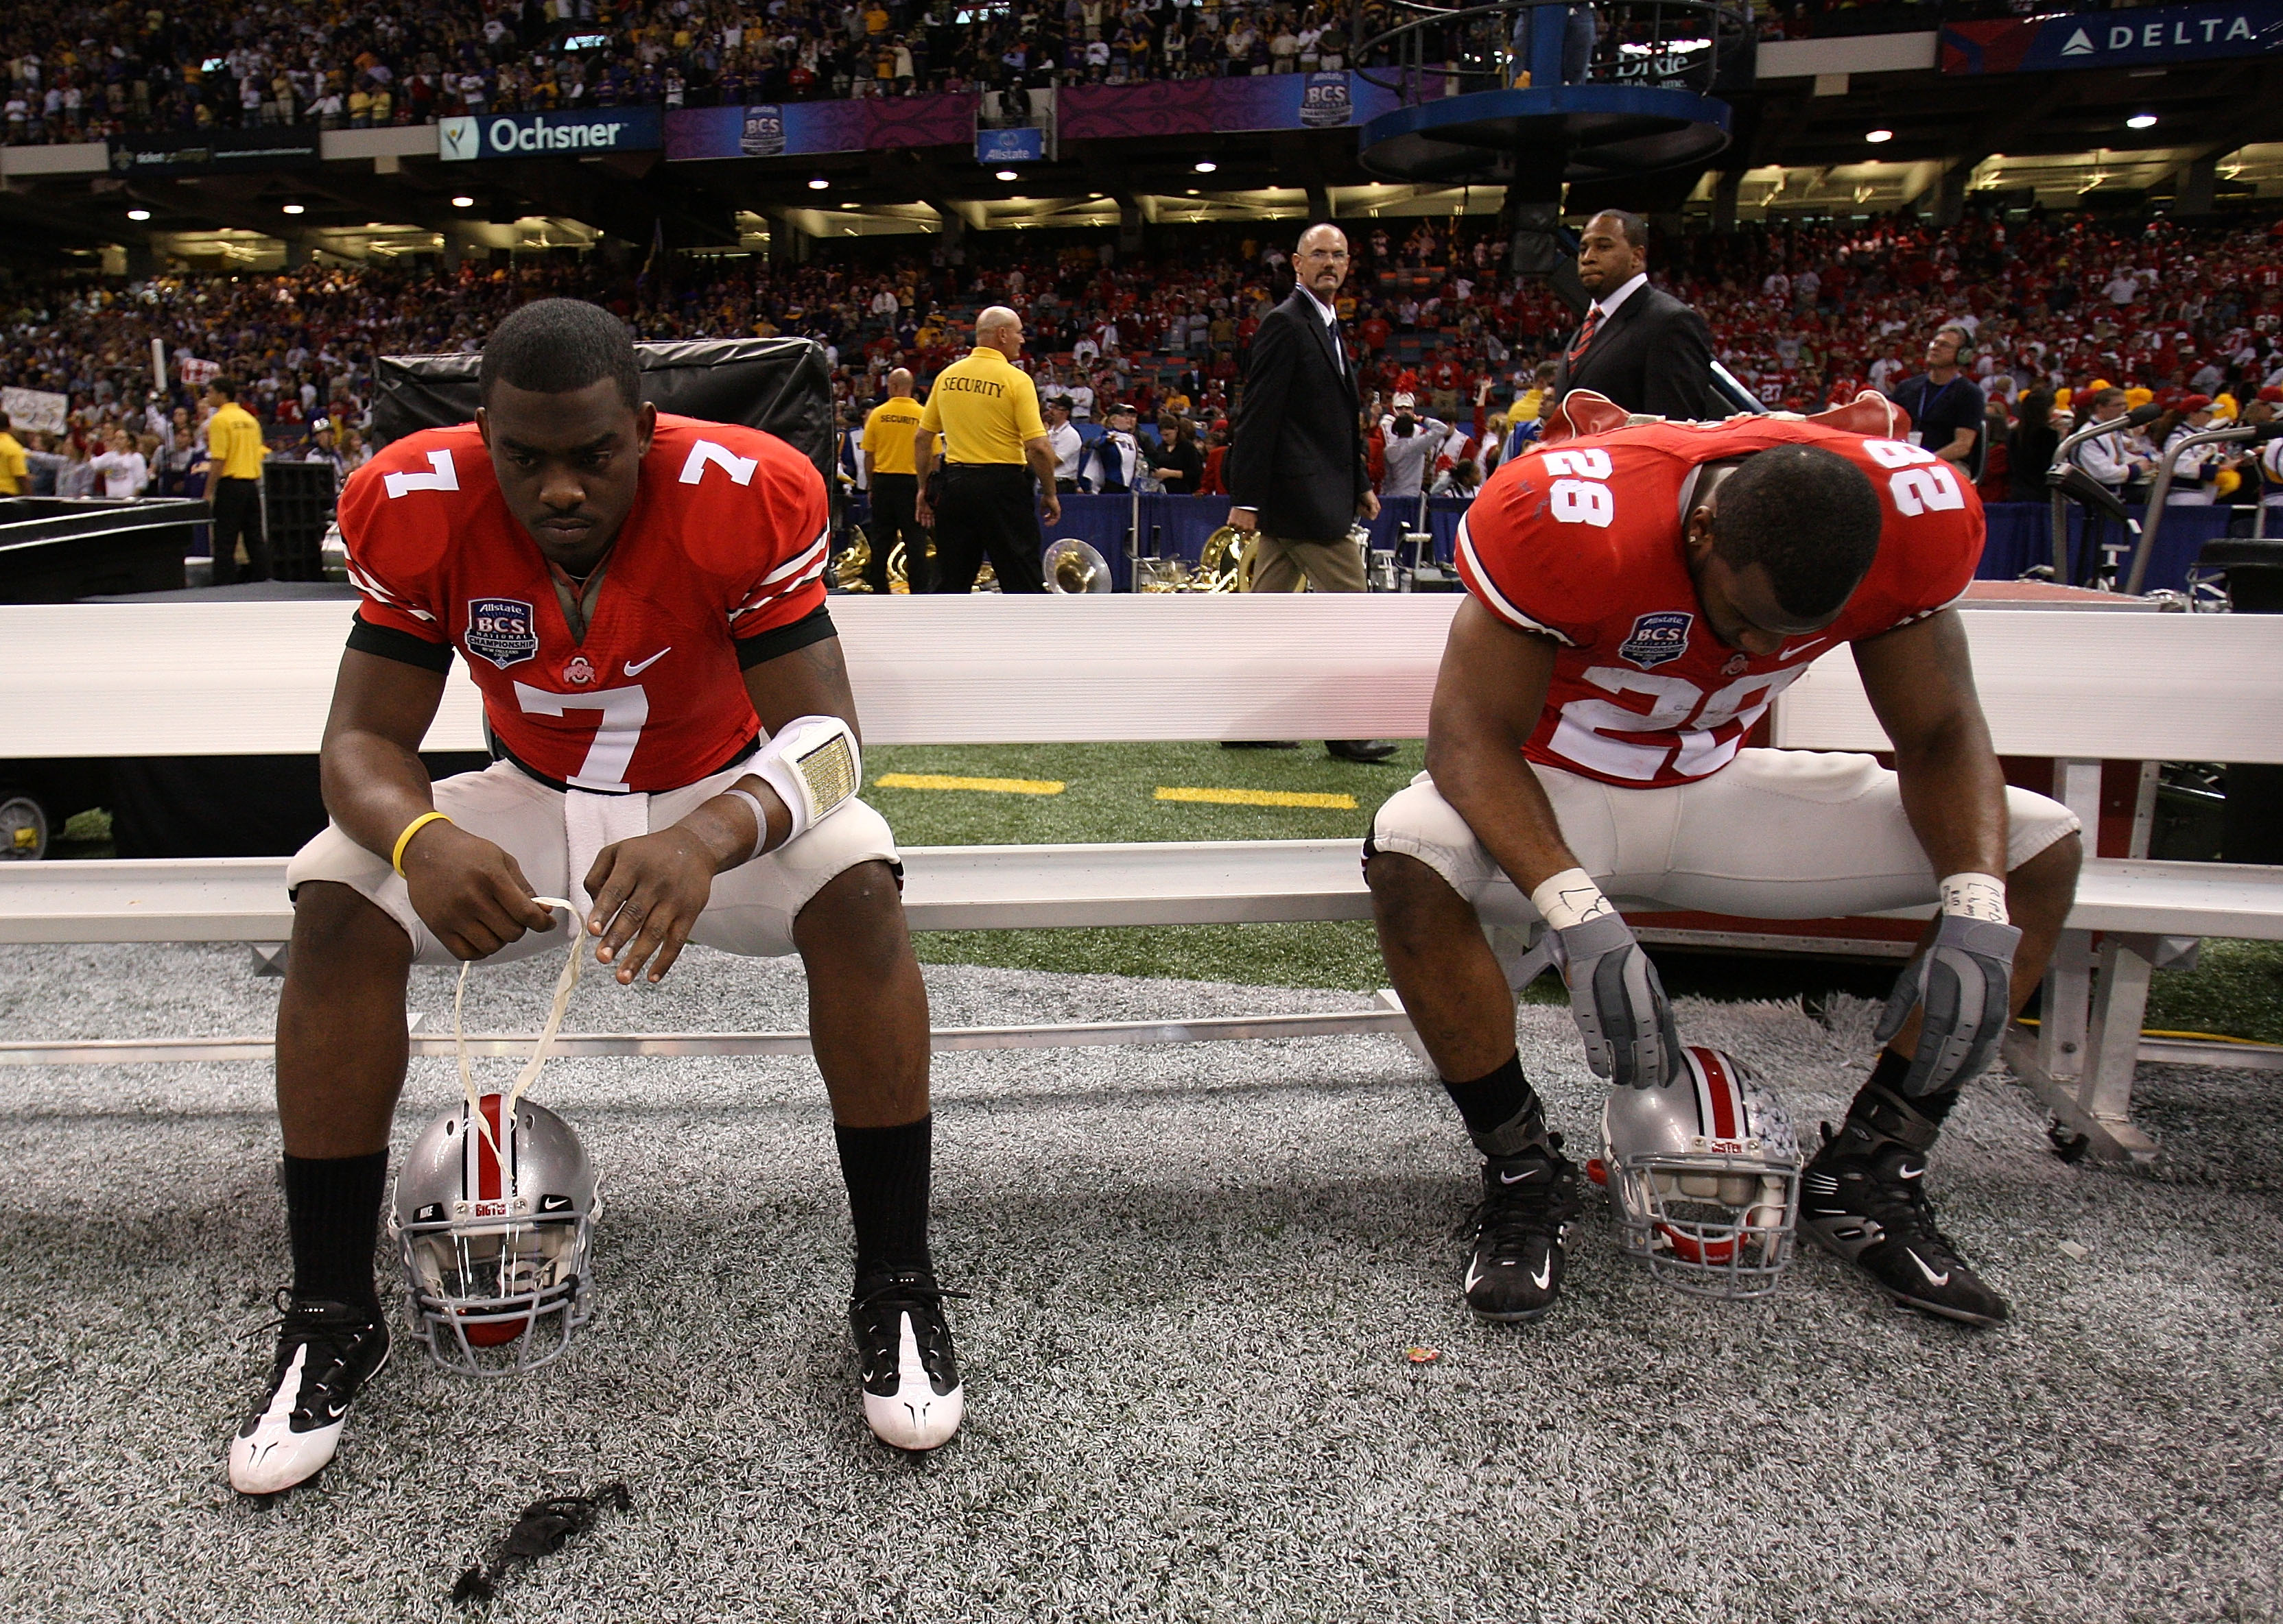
pixel 1703 1174
pixel 495 1231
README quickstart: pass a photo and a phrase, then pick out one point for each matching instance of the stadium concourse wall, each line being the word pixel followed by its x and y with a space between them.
pixel 2021 534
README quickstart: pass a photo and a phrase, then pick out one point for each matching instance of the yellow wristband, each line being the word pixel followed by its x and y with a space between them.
pixel 396 857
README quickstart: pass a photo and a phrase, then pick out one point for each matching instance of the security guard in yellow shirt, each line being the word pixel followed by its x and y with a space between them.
pixel 234 451
pixel 15 467
pixel 888 462
pixel 994 446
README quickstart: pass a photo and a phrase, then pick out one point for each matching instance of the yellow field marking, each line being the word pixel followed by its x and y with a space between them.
pixel 994 785
pixel 1262 798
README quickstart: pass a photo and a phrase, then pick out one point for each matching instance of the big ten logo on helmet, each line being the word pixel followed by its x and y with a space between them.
pixel 764 134
pixel 1657 637
pixel 1327 101
pixel 501 630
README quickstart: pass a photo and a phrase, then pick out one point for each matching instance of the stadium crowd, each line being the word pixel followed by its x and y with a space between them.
pixel 84 70
pixel 1804 315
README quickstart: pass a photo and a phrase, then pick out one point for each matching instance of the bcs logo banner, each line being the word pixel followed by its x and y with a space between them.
pixel 501 630
pixel 1657 638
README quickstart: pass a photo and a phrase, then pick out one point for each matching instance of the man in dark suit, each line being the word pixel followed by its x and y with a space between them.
pixel 1638 346
pixel 1296 468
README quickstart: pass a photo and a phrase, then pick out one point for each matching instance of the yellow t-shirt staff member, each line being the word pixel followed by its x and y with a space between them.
pixel 234 452
pixel 15 467
pixel 895 487
pixel 995 444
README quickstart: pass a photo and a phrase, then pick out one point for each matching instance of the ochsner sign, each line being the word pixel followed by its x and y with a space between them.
pixel 549 135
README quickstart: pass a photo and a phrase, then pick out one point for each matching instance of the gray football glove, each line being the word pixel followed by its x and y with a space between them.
pixel 1964 980
pixel 1619 1003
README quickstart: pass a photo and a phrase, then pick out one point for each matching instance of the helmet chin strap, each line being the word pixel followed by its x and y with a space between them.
pixel 563 983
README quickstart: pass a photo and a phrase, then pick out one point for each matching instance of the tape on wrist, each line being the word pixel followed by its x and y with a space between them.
pixel 1569 898
pixel 814 764
pixel 1974 896
pixel 761 820
pixel 396 857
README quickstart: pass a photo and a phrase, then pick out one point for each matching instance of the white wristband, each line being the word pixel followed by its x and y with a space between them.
pixel 1570 898
pixel 761 819
pixel 1976 897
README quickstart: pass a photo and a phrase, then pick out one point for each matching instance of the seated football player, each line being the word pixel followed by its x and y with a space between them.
pixel 639 598
pixel 1636 599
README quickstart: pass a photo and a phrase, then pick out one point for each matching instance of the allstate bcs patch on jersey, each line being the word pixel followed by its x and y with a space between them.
pixel 1657 637
pixel 502 629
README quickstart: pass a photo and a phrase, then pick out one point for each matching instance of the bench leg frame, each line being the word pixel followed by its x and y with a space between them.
pixel 2080 1064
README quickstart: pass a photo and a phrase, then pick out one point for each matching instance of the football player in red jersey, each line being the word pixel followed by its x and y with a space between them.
pixel 640 599
pixel 1637 599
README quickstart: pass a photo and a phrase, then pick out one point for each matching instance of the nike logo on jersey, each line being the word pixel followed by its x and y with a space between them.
pixel 1932 1277
pixel 1793 654
pixel 635 668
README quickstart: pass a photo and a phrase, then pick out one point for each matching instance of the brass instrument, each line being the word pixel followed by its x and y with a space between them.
pixel 1073 568
pixel 849 569
pixel 1222 568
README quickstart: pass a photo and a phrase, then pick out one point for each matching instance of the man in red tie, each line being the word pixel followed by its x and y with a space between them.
pixel 1638 346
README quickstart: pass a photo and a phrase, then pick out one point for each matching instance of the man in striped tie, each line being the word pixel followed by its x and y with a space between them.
pixel 1638 346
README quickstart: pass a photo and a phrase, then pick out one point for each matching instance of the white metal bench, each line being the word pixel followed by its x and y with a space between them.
pixel 174 678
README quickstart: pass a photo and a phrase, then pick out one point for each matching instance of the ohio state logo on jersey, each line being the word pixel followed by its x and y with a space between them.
pixel 501 630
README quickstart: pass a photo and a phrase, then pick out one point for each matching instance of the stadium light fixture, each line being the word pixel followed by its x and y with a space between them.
pixel 1879 137
pixel 2142 121
pixel 1206 167
pixel 138 213
pixel 819 184
pixel 1007 175
pixel 463 202
pixel 292 208
pixel 851 205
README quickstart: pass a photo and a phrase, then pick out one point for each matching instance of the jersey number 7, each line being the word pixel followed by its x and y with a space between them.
pixel 625 710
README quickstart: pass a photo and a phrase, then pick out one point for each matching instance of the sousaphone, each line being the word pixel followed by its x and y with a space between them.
pixel 1075 568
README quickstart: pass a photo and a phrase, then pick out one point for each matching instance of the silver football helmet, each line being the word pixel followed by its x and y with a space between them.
pixel 495 1229
pixel 1703 1174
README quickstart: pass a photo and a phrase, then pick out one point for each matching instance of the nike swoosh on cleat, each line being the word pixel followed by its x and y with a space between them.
pixel 334 1412
pixel 635 668
pixel 1910 1172
pixel 1932 1277
pixel 1543 1275
pixel 1474 1276
pixel 1514 1178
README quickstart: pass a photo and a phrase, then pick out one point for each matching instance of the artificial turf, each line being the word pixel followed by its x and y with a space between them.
pixel 1109 794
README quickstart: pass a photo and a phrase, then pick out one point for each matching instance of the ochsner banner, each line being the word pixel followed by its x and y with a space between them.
pixel 588 133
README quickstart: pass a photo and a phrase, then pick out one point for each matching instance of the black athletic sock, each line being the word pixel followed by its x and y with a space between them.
pixel 331 1205
pixel 1889 1074
pixel 1502 1112
pixel 886 1171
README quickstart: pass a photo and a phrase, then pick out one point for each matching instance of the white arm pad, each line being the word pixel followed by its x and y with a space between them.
pixel 814 764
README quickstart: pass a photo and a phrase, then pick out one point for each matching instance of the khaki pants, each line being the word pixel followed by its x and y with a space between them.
pixel 1276 563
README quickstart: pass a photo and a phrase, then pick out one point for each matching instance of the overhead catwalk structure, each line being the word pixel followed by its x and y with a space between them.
pixel 1549 93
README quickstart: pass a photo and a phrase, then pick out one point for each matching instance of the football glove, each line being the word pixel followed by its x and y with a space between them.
pixel 1619 1003
pixel 1965 982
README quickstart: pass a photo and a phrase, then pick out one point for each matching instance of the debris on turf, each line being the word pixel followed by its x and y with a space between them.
pixel 1422 1356
pixel 2070 1249
pixel 540 1531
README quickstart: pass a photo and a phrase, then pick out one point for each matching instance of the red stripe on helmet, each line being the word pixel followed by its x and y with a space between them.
pixel 488 1163
pixel 1724 1119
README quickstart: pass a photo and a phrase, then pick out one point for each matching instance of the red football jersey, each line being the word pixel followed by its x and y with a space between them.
pixel 727 542
pixel 1582 541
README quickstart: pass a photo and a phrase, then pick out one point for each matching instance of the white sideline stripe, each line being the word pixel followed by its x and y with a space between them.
pixel 1095 1034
